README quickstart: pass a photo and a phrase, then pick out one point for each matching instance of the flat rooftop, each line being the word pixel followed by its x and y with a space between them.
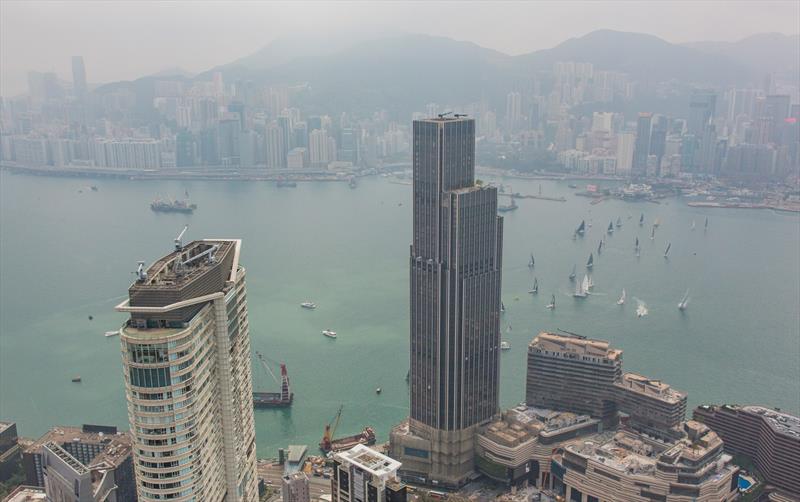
pixel 4 426
pixel 450 117
pixel 179 268
pixel 566 344
pixel 783 423
pixel 523 423
pixel 369 460
pixel 27 494
pixel 117 446
pixel 650 387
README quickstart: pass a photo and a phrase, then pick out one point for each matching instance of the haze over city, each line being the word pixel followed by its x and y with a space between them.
pixel 127 40
pixel 400 251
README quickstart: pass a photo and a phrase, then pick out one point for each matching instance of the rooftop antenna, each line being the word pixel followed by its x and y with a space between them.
pixel 179 239
pixel 445 114
pixel 572 334
pixel 140 272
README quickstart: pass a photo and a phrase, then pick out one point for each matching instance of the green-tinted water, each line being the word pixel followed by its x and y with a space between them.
pixel 65 255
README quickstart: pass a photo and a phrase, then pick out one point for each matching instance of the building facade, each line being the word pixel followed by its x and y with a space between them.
pixel 294 487
pixel 186 361
pixel 582 375
pixel 771 439
pixel 455 275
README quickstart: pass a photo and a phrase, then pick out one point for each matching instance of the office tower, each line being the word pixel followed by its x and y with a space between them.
pixel 318 148
pixel 658 138
pixel 625 145
pixel 185 149
pixel 92 455
pixel 349 146
pixel 10 453
pixel 78 77
pixel 769 438
pixel 300 131
pixel 229 131
pixel 702 106
pixel 248 148
pixel 513 110
pixel 455 268
pixel 642 148
pixel 361 474
pixel 585 376
pixel 275 147
pixel 186 362
pixel 294 487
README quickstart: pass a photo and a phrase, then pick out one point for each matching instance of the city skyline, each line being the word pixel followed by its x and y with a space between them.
pixel 26 28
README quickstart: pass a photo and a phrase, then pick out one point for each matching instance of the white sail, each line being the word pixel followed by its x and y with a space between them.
pixel 591 284
pixel 586 284
pixel 621 300
pixel 684 301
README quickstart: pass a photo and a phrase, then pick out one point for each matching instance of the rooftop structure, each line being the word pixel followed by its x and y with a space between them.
pixel 24 493
pixel 657 389
pixel 294 487
pixel 770 438
pixel 362 473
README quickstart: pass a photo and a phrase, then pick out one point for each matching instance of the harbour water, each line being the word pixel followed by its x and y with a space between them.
pixel 67 253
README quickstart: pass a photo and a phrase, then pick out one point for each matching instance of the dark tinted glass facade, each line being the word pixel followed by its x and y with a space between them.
pixel 455 267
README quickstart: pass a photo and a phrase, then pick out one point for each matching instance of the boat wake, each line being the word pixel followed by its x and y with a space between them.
pixel 641 308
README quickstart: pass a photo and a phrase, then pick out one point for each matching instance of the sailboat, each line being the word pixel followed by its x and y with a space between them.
pixel 508 329
pixel 619 222
pixel 666 251
pixel 600 248
pixel 705 228
pixel 535 288
pixel 684 303
pixel 653 233
pixel 622 298
pixel 636 246
pixel 552 304
pixel 693 225
pixel 581 228
pixel 532 262
pixel 502 307
pixel 582 288
pixel 610 227
pixel 590 263
pixel 572 274
pixel 590 284
pixel 641 220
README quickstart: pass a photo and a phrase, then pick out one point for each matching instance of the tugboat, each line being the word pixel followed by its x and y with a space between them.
pixel 172 206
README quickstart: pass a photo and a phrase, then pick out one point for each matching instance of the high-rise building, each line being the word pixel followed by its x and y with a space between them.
pixel 10 452
pixel 658 138
pixel 585 376
pixel 625 145
pixel 94 460
pixel 702 106
pixel 294 487
pixel 363 474
pixel 78 77
pixel 188 382
pixel 769 438
pixel 275 147
pixel 513 110
pixel 455 262
pixel 642 149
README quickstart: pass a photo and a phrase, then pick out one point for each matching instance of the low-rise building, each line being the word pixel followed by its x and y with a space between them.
pixel 770 438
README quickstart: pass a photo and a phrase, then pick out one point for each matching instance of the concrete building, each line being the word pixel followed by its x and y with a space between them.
pixel 625 145
pixel 297 158
pixel 294 487
pixel 78 77
pixel 25 493
pixel 585 376
pixel 275 147
pixel 626 467
pixel 96 457
pixel 188 382
pixel 642 148
pixel 455 268
pixel 10 452
pixel 771 439
pixel 361 474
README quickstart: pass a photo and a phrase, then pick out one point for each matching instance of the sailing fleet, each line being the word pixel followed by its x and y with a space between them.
pixel 583 287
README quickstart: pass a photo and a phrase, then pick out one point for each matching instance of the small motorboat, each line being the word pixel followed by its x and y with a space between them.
pixel 329 333
pixel 77 379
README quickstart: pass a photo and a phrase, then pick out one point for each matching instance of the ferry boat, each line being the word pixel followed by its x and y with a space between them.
pixel 172 206
pixel 308 305
pixel 504 345
pixel 329 333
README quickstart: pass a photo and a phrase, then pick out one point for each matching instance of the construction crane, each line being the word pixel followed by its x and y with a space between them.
pixel 179 238
pixel 274 399
pixel 330 430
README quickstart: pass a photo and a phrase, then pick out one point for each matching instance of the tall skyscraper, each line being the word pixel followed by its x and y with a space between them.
pixel 702 106
pixel 275 147
pixel 78 77
pixel 513 110
pixel 455 268
pixel 642 148
pixel 186 361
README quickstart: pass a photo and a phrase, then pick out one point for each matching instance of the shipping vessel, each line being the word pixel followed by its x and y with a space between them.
pixel 329 444
pixel 280 399
pixel 172 206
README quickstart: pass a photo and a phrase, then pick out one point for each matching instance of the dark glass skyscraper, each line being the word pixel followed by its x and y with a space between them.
pixel 455 277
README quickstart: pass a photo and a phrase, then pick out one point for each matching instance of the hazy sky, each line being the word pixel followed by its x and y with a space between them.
pixel 124 40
